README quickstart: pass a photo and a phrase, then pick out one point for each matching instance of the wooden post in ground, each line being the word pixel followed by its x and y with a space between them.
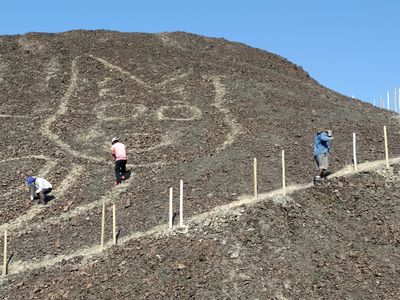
pixel 5 254
pixel 103 220
pixel 283 173
pixel 114 226
pixel 170 207
pixel 388 100
pixel 386 147
pixel 381 102
pixel 181 203
pixel 395 100
pixel 354 152
pixel 255 178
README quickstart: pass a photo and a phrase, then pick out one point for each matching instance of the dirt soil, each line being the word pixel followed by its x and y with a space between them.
pixel 198 109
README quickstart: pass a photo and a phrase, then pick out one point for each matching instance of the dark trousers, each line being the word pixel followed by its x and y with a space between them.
pixel 42 194
pixel 120 170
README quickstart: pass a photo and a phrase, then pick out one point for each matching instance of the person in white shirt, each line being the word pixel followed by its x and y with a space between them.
pixel 39 187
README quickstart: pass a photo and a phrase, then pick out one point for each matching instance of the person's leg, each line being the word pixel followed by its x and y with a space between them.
pixel 123 169
pixel 46 192
pixel 118 172
pixel 317 162
pixel 323 158
pixel 42 197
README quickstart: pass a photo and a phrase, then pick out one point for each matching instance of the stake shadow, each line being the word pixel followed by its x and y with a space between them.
pixel 118 234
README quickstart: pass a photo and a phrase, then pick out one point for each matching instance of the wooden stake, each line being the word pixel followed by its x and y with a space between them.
pixel 181 204
pixel 381 102
pixel 170 208
pixel 114 226
pixel 386 147
pixel 5 254
pixel 388 101
pixel 103 219
pixel 255 178
pixel 283 173
pixel 395 100
pixel 354 152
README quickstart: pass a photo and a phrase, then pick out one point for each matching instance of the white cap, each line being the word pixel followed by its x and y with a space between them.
pixel 114 140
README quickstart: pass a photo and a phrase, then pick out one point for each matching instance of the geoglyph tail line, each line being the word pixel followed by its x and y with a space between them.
pixel 62 109
pixel 15 116
pixel 25 157
pixel 42 173
pixel 21 221
pixel 109 197
pixel 229 118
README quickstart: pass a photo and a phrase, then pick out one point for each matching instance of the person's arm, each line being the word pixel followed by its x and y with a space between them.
pixel 39 188
pixel 113 152
pixel 326 138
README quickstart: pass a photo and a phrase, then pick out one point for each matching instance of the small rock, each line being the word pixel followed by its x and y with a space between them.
pixel 57 244
pixel 235 254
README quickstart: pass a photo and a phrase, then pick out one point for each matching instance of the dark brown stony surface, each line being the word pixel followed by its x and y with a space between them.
pixel 198 109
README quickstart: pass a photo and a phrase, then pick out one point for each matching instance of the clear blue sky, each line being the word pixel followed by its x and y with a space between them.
pixel 351 46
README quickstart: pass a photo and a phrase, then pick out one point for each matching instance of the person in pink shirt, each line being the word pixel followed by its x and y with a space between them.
pixel 118 151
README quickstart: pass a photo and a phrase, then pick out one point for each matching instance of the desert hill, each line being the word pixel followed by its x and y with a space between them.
pixel 188 107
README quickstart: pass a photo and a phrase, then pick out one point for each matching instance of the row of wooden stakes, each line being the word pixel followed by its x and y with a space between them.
pixel 114 222
pixel 283 163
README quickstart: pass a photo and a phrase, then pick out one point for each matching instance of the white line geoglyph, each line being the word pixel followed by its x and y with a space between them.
pixel 43 172
pixel 111 196
pixel 219 101
pixel 229 119
pixel 21 222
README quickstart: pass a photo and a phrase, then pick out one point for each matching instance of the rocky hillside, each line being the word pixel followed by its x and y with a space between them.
pixel 192 108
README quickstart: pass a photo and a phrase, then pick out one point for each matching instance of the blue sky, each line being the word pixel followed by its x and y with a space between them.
pixel 352 46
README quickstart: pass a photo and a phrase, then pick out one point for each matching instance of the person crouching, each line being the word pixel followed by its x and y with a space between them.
pixel 39 188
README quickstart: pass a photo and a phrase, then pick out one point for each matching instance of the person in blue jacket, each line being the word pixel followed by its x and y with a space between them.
pixel 322 148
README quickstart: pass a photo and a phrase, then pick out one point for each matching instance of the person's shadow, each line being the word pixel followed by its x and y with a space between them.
pixel 50 198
